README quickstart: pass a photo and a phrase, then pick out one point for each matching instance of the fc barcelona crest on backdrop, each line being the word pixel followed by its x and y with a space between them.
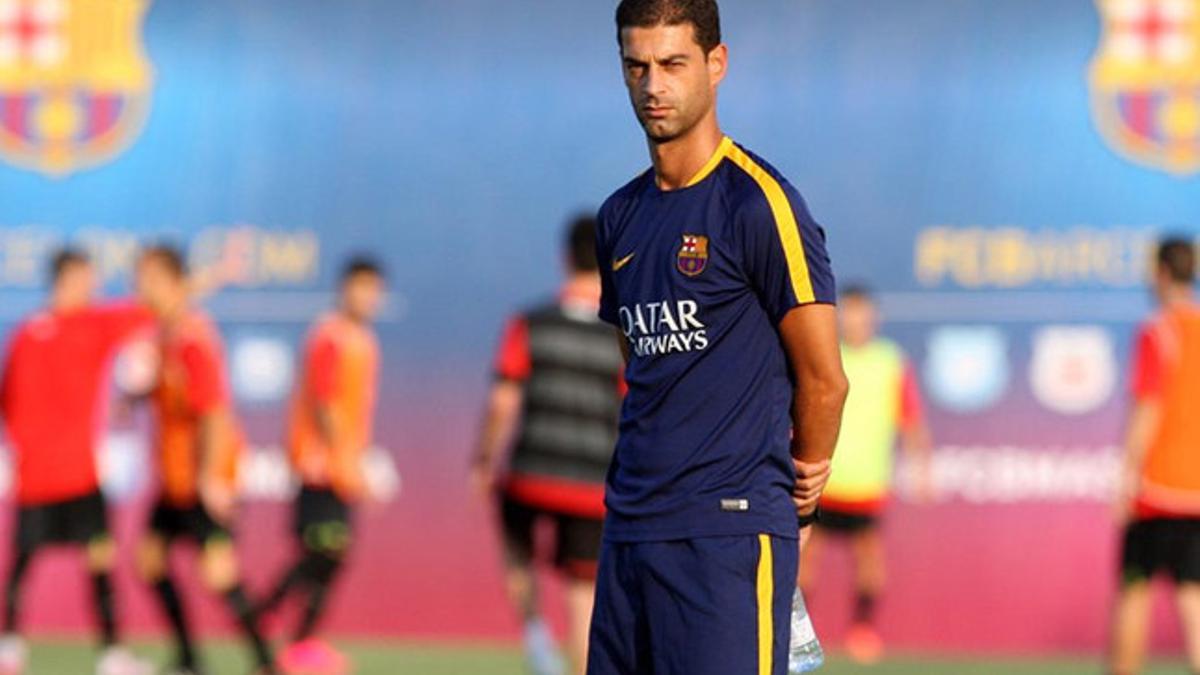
pixel 693 255
pixel 1145 82
pixel 74 82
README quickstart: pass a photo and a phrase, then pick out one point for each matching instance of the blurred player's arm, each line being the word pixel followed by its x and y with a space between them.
pixel 1144 417
pixel 500 418
pixel 502 412
pixel 810 339
pixel 214 428
pixel 6 381
pixel 1139 432
pixel 342 465
pixel 916 441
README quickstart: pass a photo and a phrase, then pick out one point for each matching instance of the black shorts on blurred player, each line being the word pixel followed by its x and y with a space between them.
pixel 1170 545
pixel 73 521
pixel 834 521
pixel 577 539
pixel 323 521
pixel 191 522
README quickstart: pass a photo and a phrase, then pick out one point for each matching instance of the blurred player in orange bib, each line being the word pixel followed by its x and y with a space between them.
pixel 199 446
pixel 331 419
pixel 52 403
pixel 1160 500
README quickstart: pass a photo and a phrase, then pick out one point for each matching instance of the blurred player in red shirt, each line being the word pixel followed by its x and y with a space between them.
pixel 199 445
pixel 329 432
pixel 52 401
pixel 1159 504
pixel 555 403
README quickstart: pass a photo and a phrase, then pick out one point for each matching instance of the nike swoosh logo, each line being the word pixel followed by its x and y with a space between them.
pixel 618 264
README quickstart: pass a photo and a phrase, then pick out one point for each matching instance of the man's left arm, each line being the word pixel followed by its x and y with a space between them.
pixel 784 254
pixel 215 427
pixel 810 338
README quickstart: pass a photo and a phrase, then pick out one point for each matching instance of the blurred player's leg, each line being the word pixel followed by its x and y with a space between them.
pixel 152 566
pixel 12 601
pixel 1131 625
pixel 101 555
pixel 219 564
pixel 519 522
pixel 324 570
pixel 324 536
pixel 13 651
pixel 313 575
pixel 1187 598
pixel 578 557
pixel 810 557
pixel 863 642
pixel 581 596
pixel 114 659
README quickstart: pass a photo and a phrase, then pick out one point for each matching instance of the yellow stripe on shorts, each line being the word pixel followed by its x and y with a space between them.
pixel 766 606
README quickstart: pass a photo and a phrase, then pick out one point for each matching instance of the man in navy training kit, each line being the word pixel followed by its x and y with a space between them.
pixel 718 279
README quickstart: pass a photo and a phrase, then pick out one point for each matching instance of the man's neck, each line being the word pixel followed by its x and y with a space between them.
pixel 1178 296
pixel 61 306
pixel 175 313
pixel 677 161
pixel 347 315
pixel 582 284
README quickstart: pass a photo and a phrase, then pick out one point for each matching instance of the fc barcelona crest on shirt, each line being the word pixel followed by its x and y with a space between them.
pixel 74 82
pixel 693 255
pixel 1146 82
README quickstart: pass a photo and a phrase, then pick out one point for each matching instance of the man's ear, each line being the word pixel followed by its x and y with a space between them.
pixel 718 64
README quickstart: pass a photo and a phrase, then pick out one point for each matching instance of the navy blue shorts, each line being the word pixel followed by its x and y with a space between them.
pixel 707 606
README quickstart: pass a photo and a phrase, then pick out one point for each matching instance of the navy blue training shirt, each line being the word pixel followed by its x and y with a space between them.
pixel 698 280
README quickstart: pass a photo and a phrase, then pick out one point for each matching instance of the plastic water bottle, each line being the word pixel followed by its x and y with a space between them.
pixel 805 654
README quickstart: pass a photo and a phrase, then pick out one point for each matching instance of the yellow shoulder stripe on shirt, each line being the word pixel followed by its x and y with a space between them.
pixel 713 162
pixel 785 223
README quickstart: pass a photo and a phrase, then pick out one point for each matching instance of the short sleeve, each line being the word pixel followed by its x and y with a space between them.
pixel 512 355
pixel 912 408
pixel 1147 368
pixel 609 303
pixel 9 375
pixel 120 321
pixel 784 251
pixel 205 386
pixel 322 368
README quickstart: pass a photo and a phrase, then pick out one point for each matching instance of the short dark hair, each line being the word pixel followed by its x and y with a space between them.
pixel 1177 257
pixel 359 265
pixel 581 244
pixel 65 258
pixel 704 15
pixel 856 291
pixel 170 257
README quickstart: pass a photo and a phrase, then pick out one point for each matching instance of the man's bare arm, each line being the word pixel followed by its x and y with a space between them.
pixel 214 430
pixel 499 423
pixel 1139 432
pixel 810 338
pixel 916 442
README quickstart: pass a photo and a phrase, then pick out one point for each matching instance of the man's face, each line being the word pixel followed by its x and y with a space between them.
pixel 362 296
pixel 859 320
pixel 157 286
pixel 76 285
pixel 672 83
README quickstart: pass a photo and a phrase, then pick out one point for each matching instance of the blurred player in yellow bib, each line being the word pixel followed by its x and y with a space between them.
pixel 884 405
